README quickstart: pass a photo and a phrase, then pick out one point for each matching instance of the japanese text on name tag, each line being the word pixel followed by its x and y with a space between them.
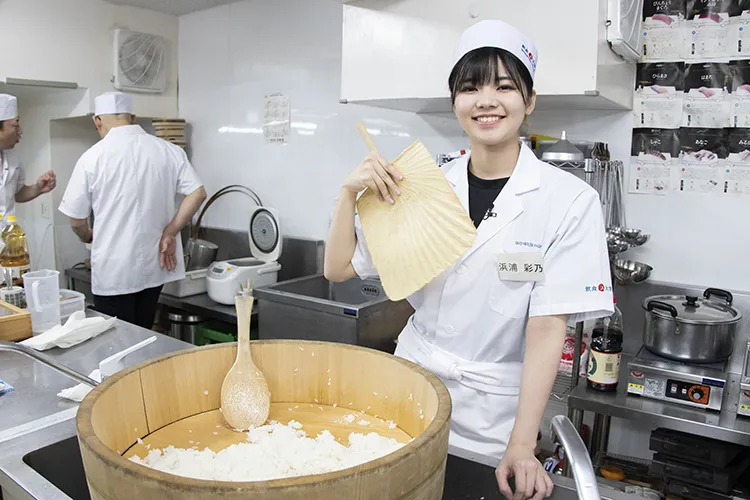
pixel 527 266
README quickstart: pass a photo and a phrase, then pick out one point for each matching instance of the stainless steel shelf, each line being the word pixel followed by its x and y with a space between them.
pixel 724 426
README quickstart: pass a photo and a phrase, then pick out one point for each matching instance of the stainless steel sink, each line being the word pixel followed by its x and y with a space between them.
pixel 61 464
pixel 312 308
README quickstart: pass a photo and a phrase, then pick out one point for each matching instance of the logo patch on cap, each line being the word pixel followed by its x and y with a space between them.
pixel 529 55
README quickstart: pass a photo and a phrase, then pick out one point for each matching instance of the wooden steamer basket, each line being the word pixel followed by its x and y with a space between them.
pixel 139 401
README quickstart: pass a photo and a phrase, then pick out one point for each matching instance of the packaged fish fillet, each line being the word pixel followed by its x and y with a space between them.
pixel 707 100
pixel 663 25
pixel 707 33
pixel 659 95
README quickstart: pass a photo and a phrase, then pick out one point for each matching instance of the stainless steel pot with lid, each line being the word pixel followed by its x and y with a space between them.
pixel 690 328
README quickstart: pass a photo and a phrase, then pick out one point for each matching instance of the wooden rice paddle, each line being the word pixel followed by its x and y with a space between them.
pixel 245 398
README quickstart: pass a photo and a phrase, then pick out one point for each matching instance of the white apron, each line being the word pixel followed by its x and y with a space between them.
pixel 484 395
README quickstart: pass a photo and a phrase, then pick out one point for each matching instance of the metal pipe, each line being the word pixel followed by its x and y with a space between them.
pixel 578 457
pixel 596 435
pixel 575 374
pixel 600 439
pixel 47 361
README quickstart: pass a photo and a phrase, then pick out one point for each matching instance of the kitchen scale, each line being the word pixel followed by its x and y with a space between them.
pixel 700 385
pixel 224 279
pixel 743 408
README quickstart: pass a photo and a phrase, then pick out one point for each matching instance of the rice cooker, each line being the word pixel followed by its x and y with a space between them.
pixel 224 279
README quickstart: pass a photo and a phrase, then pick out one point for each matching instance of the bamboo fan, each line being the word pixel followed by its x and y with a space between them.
pixel 423 233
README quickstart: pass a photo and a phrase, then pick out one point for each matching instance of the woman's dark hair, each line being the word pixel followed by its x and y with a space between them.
pixel 480 67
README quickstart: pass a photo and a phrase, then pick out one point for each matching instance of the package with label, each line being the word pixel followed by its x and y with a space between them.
pixel 740 97
pixel 663 30
pixel 651 174
pixel 704 144
pixel 702 160
pixel 5 387
pixel 707 98
pixel 659 94
pixel 707 28
pixel 659 143
pixel 737 168
pixel 738 45
pixel 566 359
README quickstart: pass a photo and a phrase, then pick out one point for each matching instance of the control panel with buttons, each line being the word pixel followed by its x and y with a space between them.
pixel 688 391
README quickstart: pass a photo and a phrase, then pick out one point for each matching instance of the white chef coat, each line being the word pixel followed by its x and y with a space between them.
pixel 130 179
pixel 11 181
pixel 469 325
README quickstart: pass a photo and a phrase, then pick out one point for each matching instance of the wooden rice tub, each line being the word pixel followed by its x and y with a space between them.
pixel 163 393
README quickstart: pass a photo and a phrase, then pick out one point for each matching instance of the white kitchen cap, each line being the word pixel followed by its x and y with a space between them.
pixel 113 103
pixel 494 33
pixel 8 107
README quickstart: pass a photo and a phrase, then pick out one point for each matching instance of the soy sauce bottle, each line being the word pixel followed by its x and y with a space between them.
pixel 606 352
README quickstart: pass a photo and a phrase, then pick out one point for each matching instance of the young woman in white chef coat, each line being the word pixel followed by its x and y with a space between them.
pixel 494 336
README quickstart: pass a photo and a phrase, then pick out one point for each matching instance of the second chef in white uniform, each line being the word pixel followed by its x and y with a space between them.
pixel 490 331
pixel 130 180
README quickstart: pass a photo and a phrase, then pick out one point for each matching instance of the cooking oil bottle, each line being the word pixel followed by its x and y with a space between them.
pixel 14 257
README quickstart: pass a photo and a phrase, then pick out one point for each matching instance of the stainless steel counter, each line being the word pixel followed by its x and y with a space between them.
pixel 33 416
pixel 196 304
pixel 725 426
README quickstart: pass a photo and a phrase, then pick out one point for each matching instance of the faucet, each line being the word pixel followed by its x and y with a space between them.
pixel 578 457
pixel 47 361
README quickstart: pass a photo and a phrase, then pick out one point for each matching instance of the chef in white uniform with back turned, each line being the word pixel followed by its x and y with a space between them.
pixel 130 180
pixel 494 335
pixel 12 187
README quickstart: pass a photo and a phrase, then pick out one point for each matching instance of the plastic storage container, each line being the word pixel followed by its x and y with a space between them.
pixel 43 299
pixel 194 283
pixel 70 302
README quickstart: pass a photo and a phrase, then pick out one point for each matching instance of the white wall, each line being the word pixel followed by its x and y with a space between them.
pixel 72 41
pixel 230 57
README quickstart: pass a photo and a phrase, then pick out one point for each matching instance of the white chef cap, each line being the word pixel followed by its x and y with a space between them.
pixel 494 33
pixel 113 103
pixel 8 107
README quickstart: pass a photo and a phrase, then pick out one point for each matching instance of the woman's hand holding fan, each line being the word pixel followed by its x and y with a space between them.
pixel 376 173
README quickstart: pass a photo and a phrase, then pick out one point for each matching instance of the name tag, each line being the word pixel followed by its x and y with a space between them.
pixel 525 266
